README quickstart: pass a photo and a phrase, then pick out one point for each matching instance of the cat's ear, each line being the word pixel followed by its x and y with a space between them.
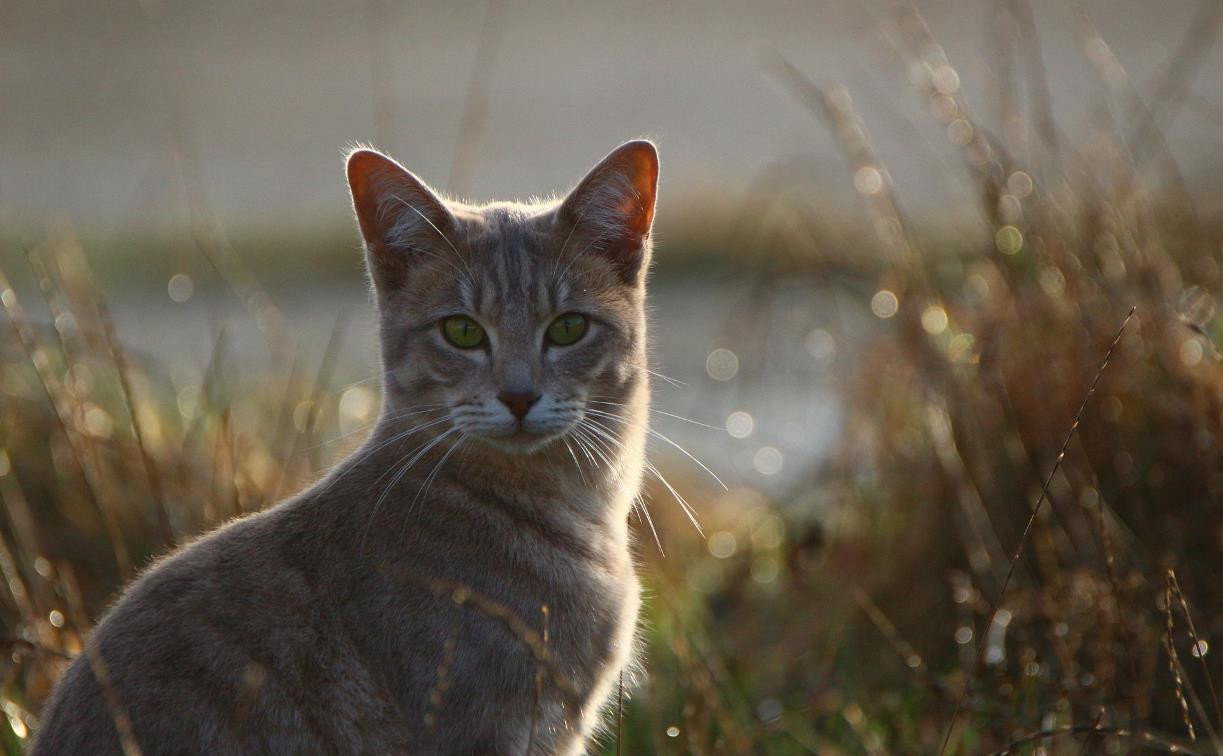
pixel 398 213
pixel 612 208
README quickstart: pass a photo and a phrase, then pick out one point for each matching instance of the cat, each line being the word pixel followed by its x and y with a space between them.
pixel 464 582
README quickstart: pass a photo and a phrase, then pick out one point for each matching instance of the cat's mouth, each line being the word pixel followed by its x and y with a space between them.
pixel 520 441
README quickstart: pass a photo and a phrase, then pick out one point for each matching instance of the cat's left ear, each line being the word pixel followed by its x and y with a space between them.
pixel 612 208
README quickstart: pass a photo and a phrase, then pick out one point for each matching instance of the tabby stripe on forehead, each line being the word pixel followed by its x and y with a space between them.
pixel 469 291
pixel 543 294
pixel 501 262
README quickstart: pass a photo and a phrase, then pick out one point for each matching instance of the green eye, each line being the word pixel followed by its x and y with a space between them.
pixel 567 329
pixel 463 332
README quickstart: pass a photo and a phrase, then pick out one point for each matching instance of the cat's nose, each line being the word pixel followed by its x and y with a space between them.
pixel 518 402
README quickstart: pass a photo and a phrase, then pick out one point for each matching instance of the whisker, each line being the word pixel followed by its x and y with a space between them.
pixel 356 461
pixel 673 381
pixel 662 438
pixel 576 464
pixel 397 437
pixel 342 389
pixel 582 447
pixel 403 470
pixel 660 412
pixel 645 510
pixel 424 489
pixel 683 503
pixel 598 450
pixel 367 426
pixel 588 425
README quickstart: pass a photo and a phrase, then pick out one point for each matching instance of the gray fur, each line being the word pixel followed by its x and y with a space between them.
pixel 396 607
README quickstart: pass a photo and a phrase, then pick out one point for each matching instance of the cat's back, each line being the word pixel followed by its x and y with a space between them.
pixel 220 647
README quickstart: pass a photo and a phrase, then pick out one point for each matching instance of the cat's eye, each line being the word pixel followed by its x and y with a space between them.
pixel 463 332
pixel 567 329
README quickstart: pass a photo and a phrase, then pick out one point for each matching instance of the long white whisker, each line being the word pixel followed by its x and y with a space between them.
pixel 403 470
pixel 399 437
pixel 592 445
pixel 578 439
pixel 590 426
pixel 367 426
pixel 659 412
pixel 660 437
pixel 576 464
pixel 424 489
pixel 683 503
pixel 673 381
pixel 606 433
pixel 366 454
pixel 342 389
pixel 639 500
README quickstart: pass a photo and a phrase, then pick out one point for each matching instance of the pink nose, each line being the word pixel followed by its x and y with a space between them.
pixel 519 403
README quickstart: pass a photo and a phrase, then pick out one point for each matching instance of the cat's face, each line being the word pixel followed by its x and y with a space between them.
pixel 509 323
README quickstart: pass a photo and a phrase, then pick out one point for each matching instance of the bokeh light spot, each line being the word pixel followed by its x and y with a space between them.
pixel 740 424
pixel 765 571
pixel 1191 352
pixel 1010 209
pixel 722 364
pixel 357 406
pixel 722 544
pixel 768 709
pixel 884 304
pixel 821 345
pixel 1009 240
pixel 189 399
pixel 934 319
pixel 180 288
pixel 946 80
pixel 959 132
pixel 98 423
pixel 1051 280
pixel 1019 184
pixel 868 180
pixel 768 460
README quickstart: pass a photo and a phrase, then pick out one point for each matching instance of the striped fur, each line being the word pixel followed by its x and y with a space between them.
pixel 463 583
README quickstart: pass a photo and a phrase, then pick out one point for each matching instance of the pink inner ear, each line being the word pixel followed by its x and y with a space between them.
pixel 369 173
pixel 641 168
pixel 616 199
pixel 384 194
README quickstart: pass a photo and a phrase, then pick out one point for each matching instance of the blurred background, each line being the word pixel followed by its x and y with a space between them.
pixel 894 243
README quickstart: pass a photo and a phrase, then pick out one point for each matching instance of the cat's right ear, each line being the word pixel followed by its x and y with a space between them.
pixel 397 212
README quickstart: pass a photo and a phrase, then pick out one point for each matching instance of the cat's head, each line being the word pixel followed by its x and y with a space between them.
pixel 515 320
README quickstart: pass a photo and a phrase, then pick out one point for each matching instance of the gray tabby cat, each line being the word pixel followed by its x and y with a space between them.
pixel 462 583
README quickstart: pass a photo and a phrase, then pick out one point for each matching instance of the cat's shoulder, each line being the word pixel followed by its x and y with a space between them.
pixel 230 564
